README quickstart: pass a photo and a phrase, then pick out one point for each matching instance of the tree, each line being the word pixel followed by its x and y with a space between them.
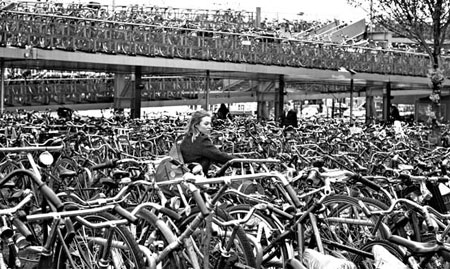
pixel 423 21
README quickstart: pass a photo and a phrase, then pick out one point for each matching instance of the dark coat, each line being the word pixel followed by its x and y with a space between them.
pixel 223 113
pixel 395 114
pixel 202 151
pixel 289 119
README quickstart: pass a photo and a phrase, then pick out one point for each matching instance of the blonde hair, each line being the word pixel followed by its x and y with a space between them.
pixel 196 118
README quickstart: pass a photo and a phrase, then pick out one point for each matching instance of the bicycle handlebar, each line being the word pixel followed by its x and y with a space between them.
pixel 172 214
pixel 114 162
pixel 367 182
pixel 423 209
pixel 126 214
pixel 246 217
pixel 110 200
pixel 107 164
pixel 434 179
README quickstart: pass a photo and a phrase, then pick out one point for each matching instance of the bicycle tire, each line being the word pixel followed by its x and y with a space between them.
pixel 80 244
pixel 343 222
pixel 280 255
pixel 159 231
pixel 242 248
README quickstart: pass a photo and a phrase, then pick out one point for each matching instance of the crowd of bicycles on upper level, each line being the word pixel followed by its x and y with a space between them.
pixel 223 20
pixel 228 20
pixel 46 30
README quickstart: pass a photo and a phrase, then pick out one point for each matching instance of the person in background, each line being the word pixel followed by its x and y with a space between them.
pixel 223 112
pixel 289 116
pixel 197 146
pixel 395 114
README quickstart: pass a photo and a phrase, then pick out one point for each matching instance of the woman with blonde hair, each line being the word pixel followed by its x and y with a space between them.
pixel 197 145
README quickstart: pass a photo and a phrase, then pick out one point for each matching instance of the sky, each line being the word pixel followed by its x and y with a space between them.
pixel 312 9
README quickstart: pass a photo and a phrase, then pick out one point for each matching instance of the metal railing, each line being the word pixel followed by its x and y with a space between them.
pixel 46 91
pixel 22 29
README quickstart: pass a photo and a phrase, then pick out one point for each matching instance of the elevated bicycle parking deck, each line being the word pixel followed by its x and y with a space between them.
pixel 42 41
pixel 21 29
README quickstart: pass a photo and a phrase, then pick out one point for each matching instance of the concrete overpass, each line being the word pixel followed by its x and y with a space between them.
pixel 274 69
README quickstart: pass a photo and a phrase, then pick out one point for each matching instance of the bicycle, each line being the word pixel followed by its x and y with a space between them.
pixel 167 227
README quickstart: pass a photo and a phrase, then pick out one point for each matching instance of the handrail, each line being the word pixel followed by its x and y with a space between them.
pixel 32 149
pixel 253 35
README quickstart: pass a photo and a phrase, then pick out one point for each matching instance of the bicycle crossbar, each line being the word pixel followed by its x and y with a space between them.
pixel 63 214
pixel 350 221
pixel 103 241
pixel 201 180
pixel 32 149
pixel 249 160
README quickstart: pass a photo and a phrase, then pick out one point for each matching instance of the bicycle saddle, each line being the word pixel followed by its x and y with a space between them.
pixel 64 172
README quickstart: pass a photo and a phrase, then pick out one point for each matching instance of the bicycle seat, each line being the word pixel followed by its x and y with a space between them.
pixel 9 184
pixel 64 172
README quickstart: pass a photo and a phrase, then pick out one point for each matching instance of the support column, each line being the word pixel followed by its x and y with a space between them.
pixel 2 85
pixel 122 94
pixel 387 102
pixel 351 98
pixel 258 17
pixel 207 91
pixel 136 100
pixel 371 113
pixel 262 112
pixel 280 98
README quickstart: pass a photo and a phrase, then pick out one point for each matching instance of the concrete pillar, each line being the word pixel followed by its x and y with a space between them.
pixel 122 94
pixel 136 96
pixel 370 106
pixel 351 98
pixel 261 105
pixel 258 17
pixel 387 102
pixel 207 91
pixel 2 85
pixel 279 98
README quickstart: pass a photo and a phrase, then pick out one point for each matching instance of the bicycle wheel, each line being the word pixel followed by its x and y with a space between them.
pixel 240 252
pixel 342 223
pixel 88 244
pixel 368 262
pixel 155 235
pixel 78 182
pixel 265 230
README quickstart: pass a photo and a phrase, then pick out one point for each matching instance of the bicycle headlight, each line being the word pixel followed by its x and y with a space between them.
pixel 175 203
pixel 46 158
